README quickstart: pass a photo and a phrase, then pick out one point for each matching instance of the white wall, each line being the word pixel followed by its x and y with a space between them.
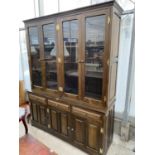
pixel 124 53
pixel 24 59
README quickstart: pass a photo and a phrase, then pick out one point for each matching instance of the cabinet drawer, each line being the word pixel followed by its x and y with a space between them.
pixel 58 105
pixel 85 113
pixel 37 98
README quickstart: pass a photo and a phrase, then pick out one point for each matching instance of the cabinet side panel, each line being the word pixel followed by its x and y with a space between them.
pixel 114 57
pixel 113 79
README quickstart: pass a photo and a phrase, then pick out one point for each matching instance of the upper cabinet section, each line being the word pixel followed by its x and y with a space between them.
pixel 35 56
pixel 70 53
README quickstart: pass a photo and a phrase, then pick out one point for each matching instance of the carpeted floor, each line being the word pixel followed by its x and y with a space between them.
pixel 28 145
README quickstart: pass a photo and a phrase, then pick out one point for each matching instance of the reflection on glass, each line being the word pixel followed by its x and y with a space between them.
pixel 50 55
pixel 94 48
pixel 70 39
pixel 35 56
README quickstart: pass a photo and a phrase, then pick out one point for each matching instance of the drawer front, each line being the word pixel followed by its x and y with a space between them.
pixel 37 98
pixel 59 106
pixel 85 113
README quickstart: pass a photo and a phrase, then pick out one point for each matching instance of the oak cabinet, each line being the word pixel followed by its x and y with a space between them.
pixel 73 59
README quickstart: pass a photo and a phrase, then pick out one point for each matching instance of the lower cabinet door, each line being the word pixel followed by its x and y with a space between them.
pixel 94 136
pixel 43 115
pixel 54 119
pixel 78 130
pixel 34 111
pixel 59 122
pixel 64 123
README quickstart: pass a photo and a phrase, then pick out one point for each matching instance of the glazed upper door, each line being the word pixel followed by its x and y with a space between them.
pixel 70 55
pixel 94 48
pixel 50 55
pixel 36 72
pixel 95 40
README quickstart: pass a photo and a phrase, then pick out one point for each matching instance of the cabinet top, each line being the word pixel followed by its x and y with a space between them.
pixel 78 10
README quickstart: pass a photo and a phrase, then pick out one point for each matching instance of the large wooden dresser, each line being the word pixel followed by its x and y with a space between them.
pixel 73 58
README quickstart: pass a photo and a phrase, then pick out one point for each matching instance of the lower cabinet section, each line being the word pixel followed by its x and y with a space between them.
pixel 88 130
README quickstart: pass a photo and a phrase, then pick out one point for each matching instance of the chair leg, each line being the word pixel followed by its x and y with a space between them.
pixel 25 125
pixel 28 118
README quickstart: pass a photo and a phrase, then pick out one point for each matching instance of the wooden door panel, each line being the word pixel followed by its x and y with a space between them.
pixel 79 128
pixel 42 115
pixel 34 112
pixel 93 136
pixel 64 124
pixel 54 119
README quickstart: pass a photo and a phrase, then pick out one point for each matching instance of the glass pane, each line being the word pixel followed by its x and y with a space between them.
pixel 35 56
pixel 95 27
pixel 50 54
pixel 70 38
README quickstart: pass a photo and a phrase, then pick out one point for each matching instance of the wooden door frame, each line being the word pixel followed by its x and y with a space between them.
pixel 42 23
pixel 61 54
pixel 106 52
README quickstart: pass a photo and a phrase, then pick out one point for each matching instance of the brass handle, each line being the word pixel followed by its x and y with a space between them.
pixel 72 129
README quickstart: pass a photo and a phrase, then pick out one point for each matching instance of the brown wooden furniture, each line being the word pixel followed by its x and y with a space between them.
pixel 73 59
pixel 22 115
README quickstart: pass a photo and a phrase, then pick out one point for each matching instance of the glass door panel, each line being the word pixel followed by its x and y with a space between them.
pixel 94 48
pixel 50 55
pixel 35 56
pixel 70 40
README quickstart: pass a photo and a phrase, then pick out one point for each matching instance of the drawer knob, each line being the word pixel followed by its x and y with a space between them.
pixel 72 129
